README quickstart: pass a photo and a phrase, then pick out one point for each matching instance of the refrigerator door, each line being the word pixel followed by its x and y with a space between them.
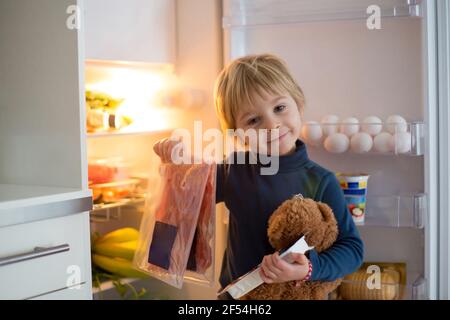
pixel 443 102
pixel 348 68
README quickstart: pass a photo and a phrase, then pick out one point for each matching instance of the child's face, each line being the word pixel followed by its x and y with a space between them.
pixel 272 112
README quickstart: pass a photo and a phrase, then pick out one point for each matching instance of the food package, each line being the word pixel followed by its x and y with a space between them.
pixel 392 283
pixel 177 230
pixel 104 170
pixel 102 113
pixel 113 191
pixel 110 179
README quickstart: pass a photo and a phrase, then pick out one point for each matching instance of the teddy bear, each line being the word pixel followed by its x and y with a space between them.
pixel 293 218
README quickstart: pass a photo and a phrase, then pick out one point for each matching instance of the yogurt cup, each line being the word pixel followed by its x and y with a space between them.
pixel 352 181
pixel 354 187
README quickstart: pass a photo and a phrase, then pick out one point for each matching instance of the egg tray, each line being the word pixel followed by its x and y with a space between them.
pixel 337 138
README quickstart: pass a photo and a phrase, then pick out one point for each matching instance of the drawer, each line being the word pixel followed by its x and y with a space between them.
pixel 81 292
pixel 61 260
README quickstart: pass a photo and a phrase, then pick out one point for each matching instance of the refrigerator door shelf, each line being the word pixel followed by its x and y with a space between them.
pixel 396 211
pixel 250 13
pixel 414 289
pixel 386 139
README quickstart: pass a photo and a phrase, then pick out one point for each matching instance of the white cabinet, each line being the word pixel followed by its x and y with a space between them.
pixel 61 260
pixel 42 124
pixel 131 30
pixel 80 292
pixel 44 199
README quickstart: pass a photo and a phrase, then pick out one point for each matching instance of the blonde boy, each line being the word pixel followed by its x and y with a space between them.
pixel 257 92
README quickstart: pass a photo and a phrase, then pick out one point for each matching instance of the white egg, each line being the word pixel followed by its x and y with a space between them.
pixel 382 142
pixel 396 123
pixel 329 124
pixel 401 142
pixel 311 132
pixel 361 142
pixel 336 143
pixel 349 126
pixel 372 125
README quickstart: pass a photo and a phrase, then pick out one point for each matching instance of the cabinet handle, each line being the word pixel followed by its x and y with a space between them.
pixel 36 253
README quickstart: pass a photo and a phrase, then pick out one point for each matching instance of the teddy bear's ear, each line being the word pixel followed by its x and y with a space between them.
pixel 326 211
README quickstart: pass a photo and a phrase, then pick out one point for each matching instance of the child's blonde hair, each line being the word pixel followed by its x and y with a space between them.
pixel 252 74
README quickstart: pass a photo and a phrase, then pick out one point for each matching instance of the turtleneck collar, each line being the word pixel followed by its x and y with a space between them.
pixel 292 161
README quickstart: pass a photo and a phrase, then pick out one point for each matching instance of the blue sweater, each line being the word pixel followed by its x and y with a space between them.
pixel 251 198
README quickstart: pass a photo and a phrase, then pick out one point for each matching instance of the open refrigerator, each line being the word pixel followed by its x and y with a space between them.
pixel 130 106
pixel 350 69
pixel 344 68
pixel 123 169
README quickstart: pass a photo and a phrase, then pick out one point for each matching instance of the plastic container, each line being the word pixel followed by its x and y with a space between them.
pixel 356 287
pixel 114 191
pixel 354 186
pixel 375 281
pixel 105 170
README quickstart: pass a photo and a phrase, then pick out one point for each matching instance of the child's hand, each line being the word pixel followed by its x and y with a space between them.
pixel 274 269
pixel 163 148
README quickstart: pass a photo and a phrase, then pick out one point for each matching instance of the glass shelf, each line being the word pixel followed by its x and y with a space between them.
pixel 414 289
pixel 130 289
pixel 104 212
pixel 102 134
pixel 107 285
pixel 406 211
pixel 245 13
pixel 155 67
pixel 409 143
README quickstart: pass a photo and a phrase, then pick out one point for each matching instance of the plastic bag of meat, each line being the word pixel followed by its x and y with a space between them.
pixel 177 237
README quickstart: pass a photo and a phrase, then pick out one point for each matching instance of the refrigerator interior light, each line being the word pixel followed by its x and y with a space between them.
pixel 138 87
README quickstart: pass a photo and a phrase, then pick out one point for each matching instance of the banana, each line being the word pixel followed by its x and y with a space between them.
pixel 123 250
pixel 119 235
pixel 119 266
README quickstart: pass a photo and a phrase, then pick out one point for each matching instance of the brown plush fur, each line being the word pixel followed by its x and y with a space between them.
pixel 293 218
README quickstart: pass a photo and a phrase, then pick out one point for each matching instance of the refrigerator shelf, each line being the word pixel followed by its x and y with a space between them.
pixel 397 211
pixel 104 212
pixel 109 285
pixel 153 290
pixel 124 132
pixel 414 289
pixel 409 143
pixel 127 65
pixel 106 285
pixel 269 12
